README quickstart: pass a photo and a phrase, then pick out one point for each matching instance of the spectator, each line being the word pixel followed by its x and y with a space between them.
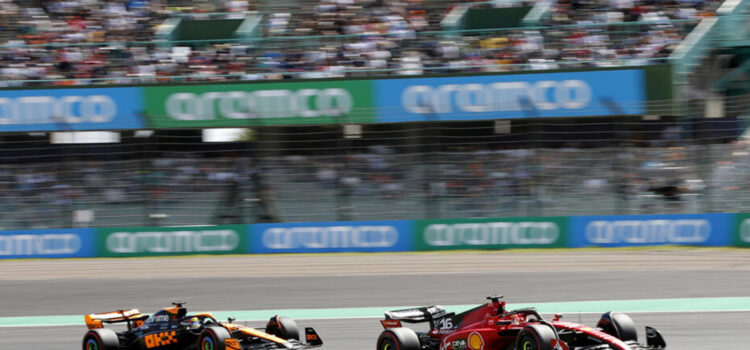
pixel 105 42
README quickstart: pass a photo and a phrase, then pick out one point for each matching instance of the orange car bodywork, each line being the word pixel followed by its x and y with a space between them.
pixel 94 321
pixel 253 332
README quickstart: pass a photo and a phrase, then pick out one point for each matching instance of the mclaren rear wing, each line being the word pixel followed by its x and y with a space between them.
pixel 132 317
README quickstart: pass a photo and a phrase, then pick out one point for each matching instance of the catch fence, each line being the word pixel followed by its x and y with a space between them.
pixel 531 167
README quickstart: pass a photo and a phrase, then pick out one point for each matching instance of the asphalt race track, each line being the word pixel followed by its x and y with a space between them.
pixel 76 287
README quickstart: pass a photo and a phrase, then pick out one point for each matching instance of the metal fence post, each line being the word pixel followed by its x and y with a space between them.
pixel 431 200
pixel 343 191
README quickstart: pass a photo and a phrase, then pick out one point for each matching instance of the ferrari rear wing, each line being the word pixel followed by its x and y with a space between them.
pixel 417 315
pixel 94 321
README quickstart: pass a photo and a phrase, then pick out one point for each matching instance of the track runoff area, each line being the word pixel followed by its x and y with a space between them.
pixel 698 298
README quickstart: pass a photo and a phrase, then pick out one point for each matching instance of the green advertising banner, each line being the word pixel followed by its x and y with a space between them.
pixel 491 233
pixel 742 230
pixel 238 105
pixel 155 241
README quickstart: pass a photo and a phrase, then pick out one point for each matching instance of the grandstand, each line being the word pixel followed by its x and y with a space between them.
pixel 679 149
pixel 131 42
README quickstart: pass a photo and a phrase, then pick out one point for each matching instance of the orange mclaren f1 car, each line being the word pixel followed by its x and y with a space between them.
pixel 173 328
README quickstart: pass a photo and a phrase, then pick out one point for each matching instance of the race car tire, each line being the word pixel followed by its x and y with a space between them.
pixel 101 339
pixel 618 325
pixel 213 337
pixel 536 337
pixel 283 327
pixel 398 339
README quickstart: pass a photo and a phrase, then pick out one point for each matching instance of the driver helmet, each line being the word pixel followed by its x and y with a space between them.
pixel 192 323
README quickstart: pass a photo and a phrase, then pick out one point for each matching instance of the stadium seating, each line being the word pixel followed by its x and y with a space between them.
pixel 116 42
pixel 170 181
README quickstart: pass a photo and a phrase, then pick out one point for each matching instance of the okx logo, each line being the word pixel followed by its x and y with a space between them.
pixel 146 241
pixel 155 340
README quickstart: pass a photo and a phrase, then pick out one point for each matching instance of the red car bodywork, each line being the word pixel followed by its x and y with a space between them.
pixel 491 327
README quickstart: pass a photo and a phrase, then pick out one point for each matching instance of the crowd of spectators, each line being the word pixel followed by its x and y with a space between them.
pixel 477 183
pixel 78 42
pixel 381 181
pixel 43 194
pixel 567 12
pixel 75 42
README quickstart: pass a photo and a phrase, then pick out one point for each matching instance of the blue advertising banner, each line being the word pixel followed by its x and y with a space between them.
pixel 57 243
pixel 71 109
pixel 331 237
pixel 567 94
pixel 642 230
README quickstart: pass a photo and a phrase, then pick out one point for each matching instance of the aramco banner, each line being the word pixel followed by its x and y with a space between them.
pixel 71 109
pixel 154 241
pixel 329 237
pixel 643 230
pixel 512 96
pixel 241 105
pixel 491 233
pixel 502 96
pixel 55 243
pixel 499 96
pixel 717 229
pixel 741 236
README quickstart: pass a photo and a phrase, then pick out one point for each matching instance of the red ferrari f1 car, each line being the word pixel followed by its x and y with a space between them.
pixel 173 328
pixel 491 327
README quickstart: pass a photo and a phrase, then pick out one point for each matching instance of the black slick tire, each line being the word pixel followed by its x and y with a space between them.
pixel 101 339
pixel 398 339
pixel 283 327
pixel 536 337
pixel 618 325
pixel 212 338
